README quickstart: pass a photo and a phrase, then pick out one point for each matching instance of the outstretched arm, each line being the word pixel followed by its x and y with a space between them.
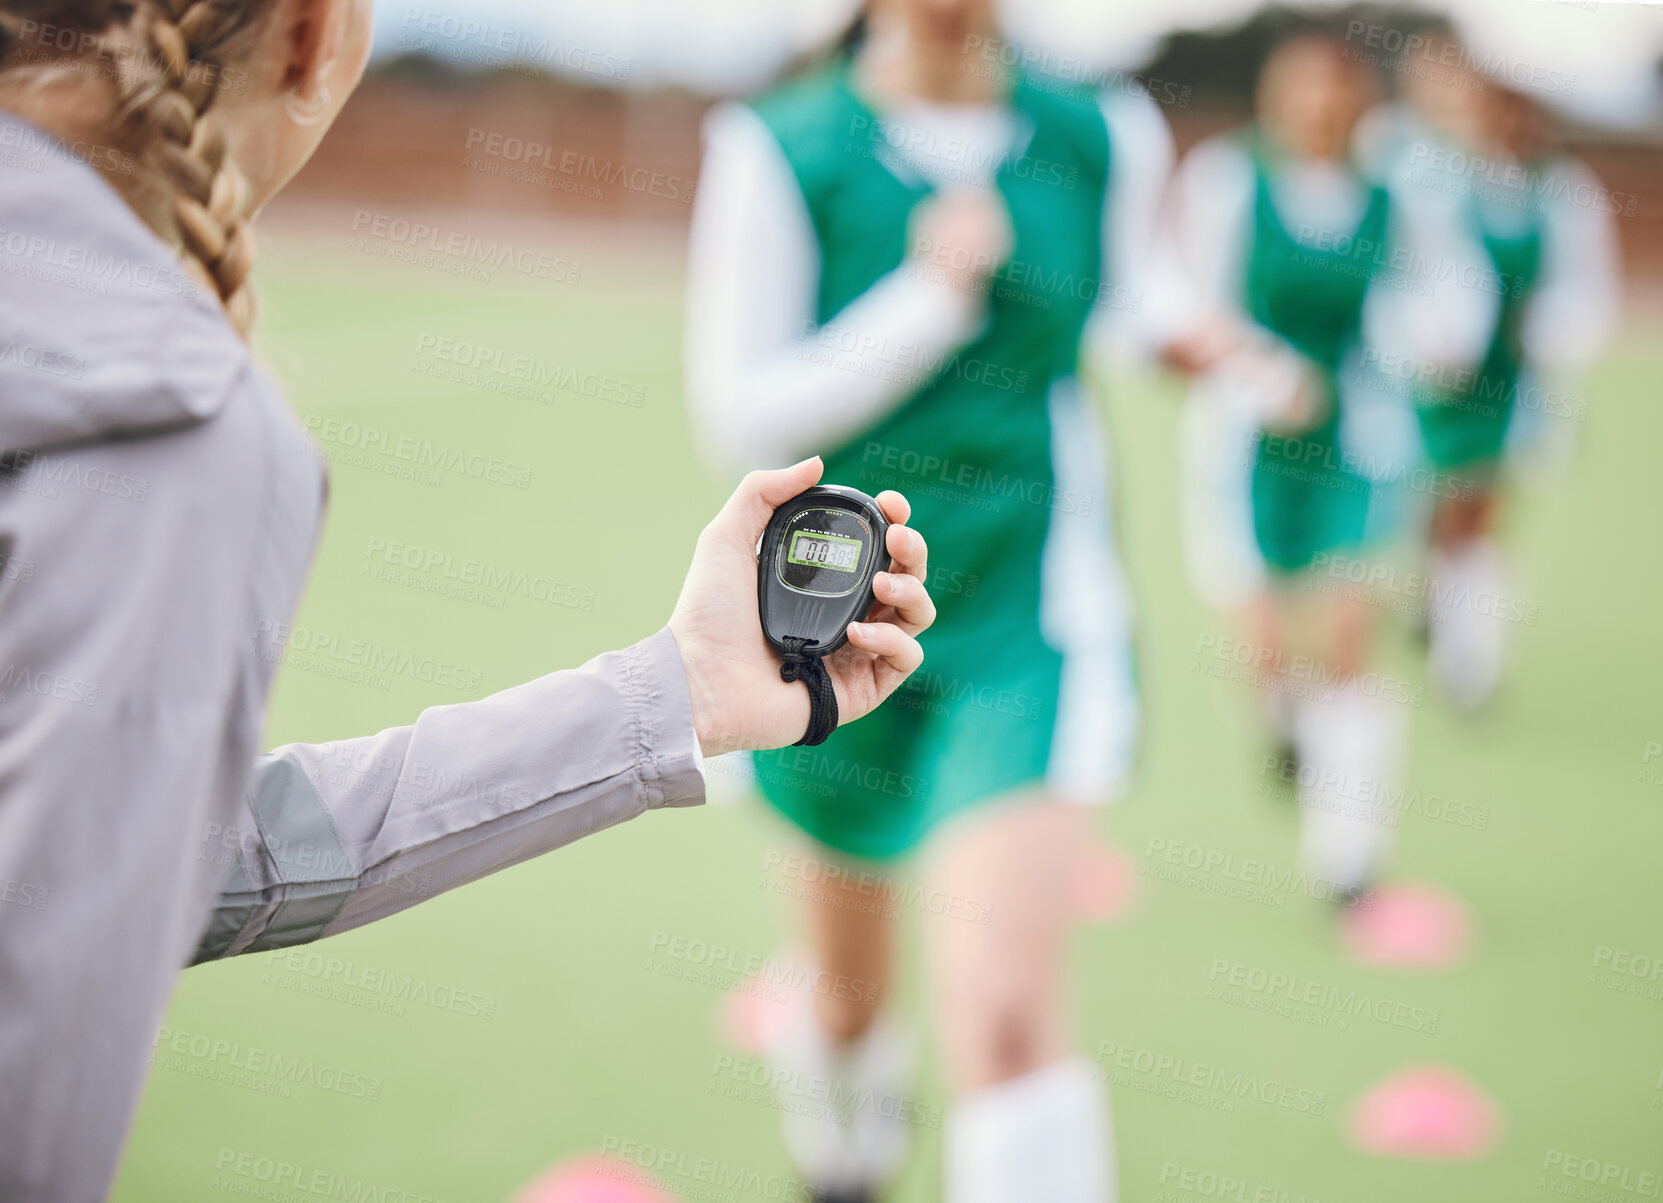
pixel 337 835
pixel 340 834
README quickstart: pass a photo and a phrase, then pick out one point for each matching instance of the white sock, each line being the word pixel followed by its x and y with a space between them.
pixel 1043 1136
pixel 1350 746
pixel 1468 641
pixel 846 1112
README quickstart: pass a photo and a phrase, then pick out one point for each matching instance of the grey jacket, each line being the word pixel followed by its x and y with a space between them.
pixel 159 505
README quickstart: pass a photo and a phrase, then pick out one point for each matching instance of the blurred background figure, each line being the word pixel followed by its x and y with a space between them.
pixel 1472 159
pixel 894 262
pixel 1279 233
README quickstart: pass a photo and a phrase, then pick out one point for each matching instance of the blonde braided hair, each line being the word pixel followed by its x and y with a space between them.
pixel 166 63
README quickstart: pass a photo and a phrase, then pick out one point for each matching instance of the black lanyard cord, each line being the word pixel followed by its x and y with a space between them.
pixel 802 665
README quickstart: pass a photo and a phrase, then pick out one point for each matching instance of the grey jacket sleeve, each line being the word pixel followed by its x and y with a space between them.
pixel 338 835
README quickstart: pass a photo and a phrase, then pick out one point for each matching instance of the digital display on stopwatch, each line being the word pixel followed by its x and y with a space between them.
pixel 816 562
pixel 825 551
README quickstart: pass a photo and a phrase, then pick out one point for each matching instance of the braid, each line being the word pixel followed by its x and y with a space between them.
pixel 166 58
pixel 166 94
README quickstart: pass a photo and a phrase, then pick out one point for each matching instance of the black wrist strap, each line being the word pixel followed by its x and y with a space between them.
pixel 805 666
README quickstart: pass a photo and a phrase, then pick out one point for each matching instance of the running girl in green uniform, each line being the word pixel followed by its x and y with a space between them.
pixel 1281 237
pixel 1474 157
pixel 895 262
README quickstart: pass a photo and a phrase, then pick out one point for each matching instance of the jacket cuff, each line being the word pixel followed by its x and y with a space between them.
pixel 672 769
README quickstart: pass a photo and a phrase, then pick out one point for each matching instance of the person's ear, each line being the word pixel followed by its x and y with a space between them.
pixel 311 40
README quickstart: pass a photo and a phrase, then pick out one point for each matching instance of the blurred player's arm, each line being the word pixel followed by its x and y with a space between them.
pixel 1152 307
pixel 1204 241
pixel 766 383
pixel 1201 247
pixel 338 835
pixel 1432 319
pixel 1574 311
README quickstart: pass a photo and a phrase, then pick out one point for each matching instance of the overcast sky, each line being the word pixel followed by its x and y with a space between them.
pixel 1607 50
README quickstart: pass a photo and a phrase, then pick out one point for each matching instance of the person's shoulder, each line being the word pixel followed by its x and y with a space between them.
pixel 808 104
pixel 1068 111
pixel 1383 135
pixel 1217 178
pixel 1565 170
pixel 1138 129
pixel 820 126
pixel 1071 104
pixel 1567 191
pixel 131 340
pixel 1228 154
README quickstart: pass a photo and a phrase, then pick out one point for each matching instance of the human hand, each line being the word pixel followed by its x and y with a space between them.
pixel 963 234
pixel 733 675
pixel 1280 386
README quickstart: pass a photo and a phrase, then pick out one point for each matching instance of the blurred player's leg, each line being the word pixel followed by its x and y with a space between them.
pixel 1028 1120
pixel 849 1143
pixel 1280 708
pixel 1216 434
pixel 1467 642
pixel 1347 735
pixel 1349 746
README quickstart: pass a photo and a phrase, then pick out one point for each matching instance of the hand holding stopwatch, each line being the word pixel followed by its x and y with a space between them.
pixel 815 566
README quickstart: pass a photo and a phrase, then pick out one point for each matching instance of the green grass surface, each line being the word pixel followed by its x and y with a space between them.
pixel 584 1044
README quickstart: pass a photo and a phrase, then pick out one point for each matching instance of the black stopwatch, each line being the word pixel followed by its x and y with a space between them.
pixel 815 566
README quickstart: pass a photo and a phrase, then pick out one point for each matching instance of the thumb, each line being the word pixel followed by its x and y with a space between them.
pixel 764 491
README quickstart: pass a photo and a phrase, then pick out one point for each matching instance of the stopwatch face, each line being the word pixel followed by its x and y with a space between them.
pixel 817 559
pixel 824 552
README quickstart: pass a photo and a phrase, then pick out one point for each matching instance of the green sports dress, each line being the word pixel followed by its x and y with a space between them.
pixel 1308 496
pixel 1464 427
pixel 972 449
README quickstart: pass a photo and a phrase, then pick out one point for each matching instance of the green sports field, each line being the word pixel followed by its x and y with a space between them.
pixel 453 1052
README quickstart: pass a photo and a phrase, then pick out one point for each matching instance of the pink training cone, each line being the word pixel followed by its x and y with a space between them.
pixel 1103 882
pixel 1425 1112
pixel 1408 926
pixel 757 1011
pixel 592 1178
pixel 751 1020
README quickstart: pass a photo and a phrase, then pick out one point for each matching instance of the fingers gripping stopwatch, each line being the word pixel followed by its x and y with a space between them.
pixel 815 566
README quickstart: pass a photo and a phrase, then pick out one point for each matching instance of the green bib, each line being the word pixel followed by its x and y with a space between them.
pixel 1306 499
pixel 1466 427
pixel 970 448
